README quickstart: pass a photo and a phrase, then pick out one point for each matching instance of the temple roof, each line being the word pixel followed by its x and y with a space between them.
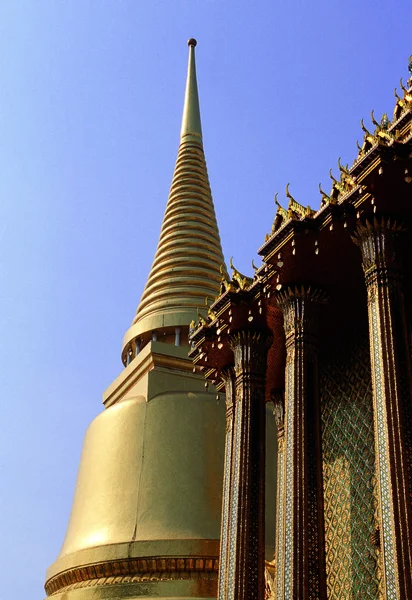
pixel 186 267
pixel 312 252
pixel 387 139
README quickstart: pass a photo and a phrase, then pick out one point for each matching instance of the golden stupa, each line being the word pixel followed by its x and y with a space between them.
pixel 145 520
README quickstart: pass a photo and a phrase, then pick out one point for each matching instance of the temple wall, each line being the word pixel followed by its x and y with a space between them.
pixel 348 473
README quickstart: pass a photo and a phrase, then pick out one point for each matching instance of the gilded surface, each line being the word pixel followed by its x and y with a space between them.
pixel 186 266
pixel 135 571
pixel 149 483
pixel 126 455
pixel 348 475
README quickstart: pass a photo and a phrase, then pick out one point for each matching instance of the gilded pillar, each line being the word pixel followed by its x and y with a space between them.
pixel 390 363
pixel 300 571
pixel 243 545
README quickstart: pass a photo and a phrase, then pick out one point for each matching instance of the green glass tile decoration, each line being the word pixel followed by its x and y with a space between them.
pixel 348 475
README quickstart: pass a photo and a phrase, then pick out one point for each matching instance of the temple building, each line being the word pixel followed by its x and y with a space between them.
pixel 145 520
pixel 323 330
pixel 258 445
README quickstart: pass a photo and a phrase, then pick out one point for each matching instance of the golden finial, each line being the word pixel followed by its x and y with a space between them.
pixel 405 91
pixel 325 197
pixel 396 94
pixel 332 177
pixel 296 209
pixel 385 122
pixel 192 42
pixel 254 267
pixel 342 168
pixel 374 121
pixel 210 312
pixel 223 270
pixel 347 181
pixel 358 146
pixel 240 280
pixel 200 317
pixel 281 214
pixel 364 128
pixel 225 283
pixel 288 195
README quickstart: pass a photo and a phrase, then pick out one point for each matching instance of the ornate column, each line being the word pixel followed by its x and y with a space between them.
pixel 243 545
pixel 228 377
pixel 390 362
pixel 300 571
pixel 279 412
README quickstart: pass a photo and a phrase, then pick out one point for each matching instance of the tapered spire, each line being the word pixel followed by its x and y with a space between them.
pixel 186 267
pixel 191 123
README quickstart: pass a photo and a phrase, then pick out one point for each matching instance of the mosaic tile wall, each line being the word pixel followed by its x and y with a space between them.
pixel 348 472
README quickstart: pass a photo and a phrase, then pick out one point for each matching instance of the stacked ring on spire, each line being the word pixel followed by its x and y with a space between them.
pixel 186 267
pixel 189 254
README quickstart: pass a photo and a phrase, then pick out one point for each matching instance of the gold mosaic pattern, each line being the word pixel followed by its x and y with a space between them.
pixel 279 522
pixel 235 499
pixel 313 481
pixel 288 554
pixel 384 462
pixel 402 360
pixel 225 508
pixel 348 472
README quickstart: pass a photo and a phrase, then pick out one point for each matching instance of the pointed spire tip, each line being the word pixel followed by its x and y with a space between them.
pixel 191 124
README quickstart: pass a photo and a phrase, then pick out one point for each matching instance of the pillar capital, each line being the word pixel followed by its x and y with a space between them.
pixel 378 241
pixel 250 350
pixel 299 306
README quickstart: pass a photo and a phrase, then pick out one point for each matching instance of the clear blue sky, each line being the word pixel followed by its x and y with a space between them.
pixel 91 95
